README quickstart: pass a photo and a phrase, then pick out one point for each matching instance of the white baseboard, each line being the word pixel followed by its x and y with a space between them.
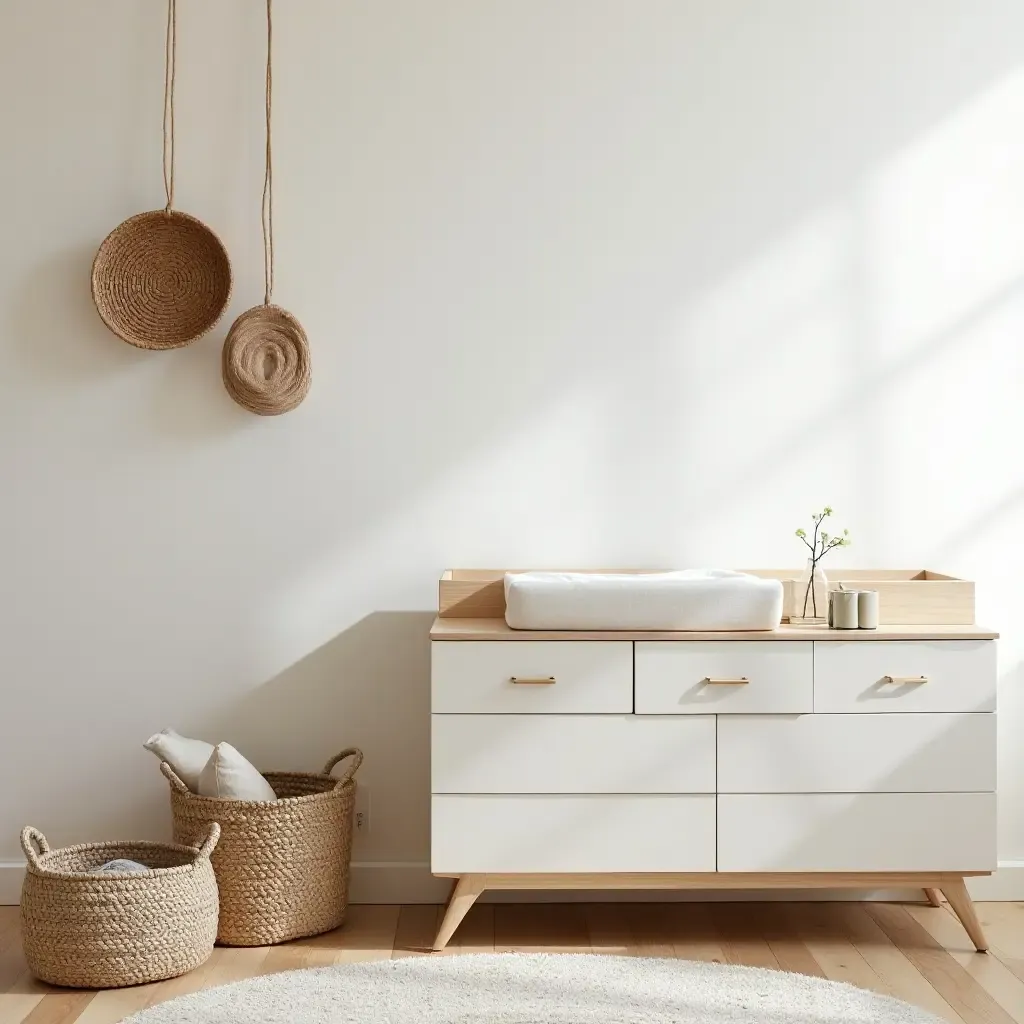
pixel 1005 885
pixel 396 882
pixel 377 882
pixel 412 882
pixel 10 883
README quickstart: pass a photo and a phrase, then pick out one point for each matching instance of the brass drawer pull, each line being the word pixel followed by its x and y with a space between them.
pixel 708 681
pixel 533 680
pixel 898 680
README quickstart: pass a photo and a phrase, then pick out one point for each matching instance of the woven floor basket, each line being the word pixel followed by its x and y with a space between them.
pixel 108 930
pixel 161 279
pixel 282 867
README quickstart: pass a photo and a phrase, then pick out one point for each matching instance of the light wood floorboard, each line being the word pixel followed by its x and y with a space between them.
pixel 789 950
pixel 742 941
pixel 475 934
pixel 917 953
pixel 1007 923
pixel 971 1000
pixel 889 962
pixel 829 944
pixel 989 971
pixel 541 928
pixel 415 931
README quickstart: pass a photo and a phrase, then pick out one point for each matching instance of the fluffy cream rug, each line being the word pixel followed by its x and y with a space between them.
pixel 514 988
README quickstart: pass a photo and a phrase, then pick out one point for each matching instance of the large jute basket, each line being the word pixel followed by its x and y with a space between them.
pixel 282 866
pixel 86 929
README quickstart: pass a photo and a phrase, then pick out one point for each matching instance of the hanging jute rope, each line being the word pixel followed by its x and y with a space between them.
pixel 266 355
pixel 162 279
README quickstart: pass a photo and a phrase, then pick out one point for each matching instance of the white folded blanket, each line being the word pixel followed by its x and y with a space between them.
pixel 695 600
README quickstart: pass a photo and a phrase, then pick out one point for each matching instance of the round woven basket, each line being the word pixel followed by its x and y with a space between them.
pixel 161 279
pixel 282 866
pixel 89 930
pixel 265 361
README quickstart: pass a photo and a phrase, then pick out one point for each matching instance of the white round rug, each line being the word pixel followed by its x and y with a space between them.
pixel 512 988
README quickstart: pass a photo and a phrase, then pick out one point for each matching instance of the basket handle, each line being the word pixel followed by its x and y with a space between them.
pixel 173 779
pixel 34 843
pixel 210 843
pixel 353 752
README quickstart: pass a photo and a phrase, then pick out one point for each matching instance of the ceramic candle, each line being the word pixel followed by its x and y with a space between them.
pixel 867 609
pixel 842 609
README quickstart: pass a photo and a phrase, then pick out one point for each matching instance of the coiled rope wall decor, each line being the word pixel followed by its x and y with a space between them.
pixel 162 279
pixel 265 361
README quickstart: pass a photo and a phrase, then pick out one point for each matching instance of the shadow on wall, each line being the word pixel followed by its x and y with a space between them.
pixel 368 687
pixel 55 331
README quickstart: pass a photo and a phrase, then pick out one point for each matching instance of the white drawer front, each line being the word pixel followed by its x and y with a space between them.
pixel 853 677
pixel 857 753
pixel 678 678
pixel 514 834
pixel 857 832
pixel 475 677
pixel 572 754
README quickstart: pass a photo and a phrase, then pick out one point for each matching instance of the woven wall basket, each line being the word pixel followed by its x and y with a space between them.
pixel 282 866
pixel 161 279
pixel 265 361
pixel 107 930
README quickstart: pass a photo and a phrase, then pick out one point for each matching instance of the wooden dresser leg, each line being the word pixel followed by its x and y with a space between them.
pixel 464 894
pixel 960 900
pixel 933 897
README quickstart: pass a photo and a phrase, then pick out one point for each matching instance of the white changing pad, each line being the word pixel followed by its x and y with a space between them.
pixel 695 600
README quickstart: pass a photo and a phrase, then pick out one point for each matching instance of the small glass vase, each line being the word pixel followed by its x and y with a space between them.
pixel 811 597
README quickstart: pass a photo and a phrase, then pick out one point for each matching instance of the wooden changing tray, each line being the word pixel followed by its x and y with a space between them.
pixel 905 596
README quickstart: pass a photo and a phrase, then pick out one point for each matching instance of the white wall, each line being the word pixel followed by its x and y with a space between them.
pixel 635 282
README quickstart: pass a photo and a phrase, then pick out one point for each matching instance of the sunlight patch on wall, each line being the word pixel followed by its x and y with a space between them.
pixel 764 358
pixel 943 221
pixel 944 278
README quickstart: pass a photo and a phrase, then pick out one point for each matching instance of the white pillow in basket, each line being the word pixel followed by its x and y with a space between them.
pixel 229 776
pixel 187 757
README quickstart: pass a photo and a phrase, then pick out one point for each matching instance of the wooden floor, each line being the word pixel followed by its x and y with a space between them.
pixel 918 953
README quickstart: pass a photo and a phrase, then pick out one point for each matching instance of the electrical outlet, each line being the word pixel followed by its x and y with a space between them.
pixel 362 811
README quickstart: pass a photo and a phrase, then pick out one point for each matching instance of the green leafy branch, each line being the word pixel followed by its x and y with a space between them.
pixel 820 544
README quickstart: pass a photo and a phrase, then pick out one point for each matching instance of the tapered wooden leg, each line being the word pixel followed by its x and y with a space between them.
pixel 933 897
pixel 963 907
pixel 464 894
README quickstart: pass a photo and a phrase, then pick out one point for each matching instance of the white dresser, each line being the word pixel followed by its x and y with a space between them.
pixel 798 758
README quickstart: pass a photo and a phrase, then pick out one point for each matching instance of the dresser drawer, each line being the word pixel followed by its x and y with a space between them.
pixel 518 834
pixel 479 677
pixel 896 675
pixel 857 832
pixel 914 753
pixel 572 754
pixel 705 677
